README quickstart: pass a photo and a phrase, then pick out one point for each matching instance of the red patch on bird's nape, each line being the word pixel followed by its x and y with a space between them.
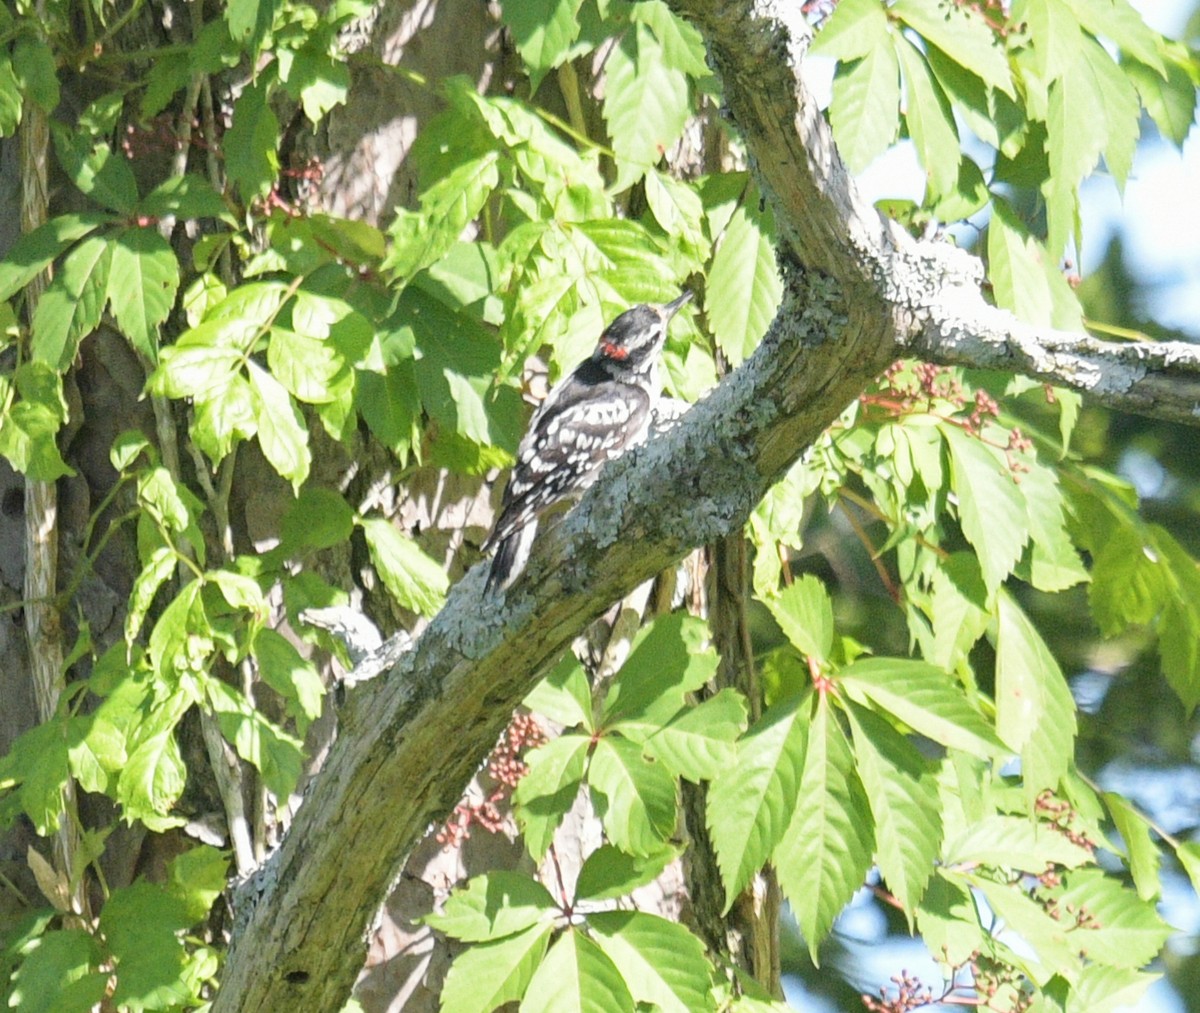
pixel 611 351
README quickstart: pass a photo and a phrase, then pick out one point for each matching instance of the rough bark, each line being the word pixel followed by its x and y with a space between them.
pixel 858 293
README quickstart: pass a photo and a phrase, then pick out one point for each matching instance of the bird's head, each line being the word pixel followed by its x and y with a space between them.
pixel 634 339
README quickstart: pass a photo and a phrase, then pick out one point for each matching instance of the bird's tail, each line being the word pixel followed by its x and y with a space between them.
pixel 512 553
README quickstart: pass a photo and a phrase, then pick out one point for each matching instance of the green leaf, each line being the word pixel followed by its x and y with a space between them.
pixel 282 433
pixel 318 519
pixel 142 286
pixel 855 29
pixel 634 797
pixel 33 252
pixel 864 108
pixel 28 432
pixel 249 21
pixel 543 31
pixel 52 966
pixel 804 612
pixel 1035 713
pixel 749 807
pixel 98 172
pixel 609 873
pixel 1170 101
pixel 70 308
pixel 139 924
pixel 1139 846
pixel 33 64
pixel 962 34
pixel 188 197
pixel 564 695
pixel 1031 923
pixel 1054 562
pixel 990 506
pixel 1128 932
pixel 545 794
pixel 413 579
pixel 1101 989
pixel 904 804
pixel 196 879
pixel 10 98
pixel 252 142
pixel 926 699
pixel 930 121
pixel 677 208
pixel 489 975
pixel 294 678
pixel 682 44
pixel 493 906
pixel 274 753
pixel 447 207
pixel 1014 842
pixel 152 781
pixel 699 743
pixel 1024 277
pixel 1188 854
pixel 318 80
pixel 1119 21
pixel 744 289
pixel 575 977
pixel 661 961
pixel 645 104
pixel 825 852
pixel 670 658
pixel 389 404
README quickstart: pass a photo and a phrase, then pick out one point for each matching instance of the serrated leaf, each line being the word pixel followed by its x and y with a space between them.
pixel 33 252
pixel 141 286
pixel 609 873
pixel 413 578
pixel 904 804
pixel 1140 849
pixel 52 965
pixel 962 34
pixel 804 612
pixel 743 289
pixel 564 695
pixel 662 962
pixel 1031 922
pixel 1128 932
pixel 447 207
pixel 548 790
pixel 293 677
pixel 750 806
pixel 1119 21
pixel 1188 855
pixel 575 977
pixel 930 121
pixel 864 108
pixel 33 64
pixel 251 144
pixel 493 906
pixel 682 44
pixel 645 104
pixel 70 308
pixel 196 878
pixel 188 196
pixel 949 921
pixel 699 743
pixel 1016 268
pixel 669 659
pixel 1014 842
pixel 825 852
pixel 489 975
pixel 854 29
pixel 152 781
pixel 273 752
pixel 543 31
pixel 1035 712
pixel 926 699
pixel 282 433
pixel 1101 989
pixel 990 506
pixel 1054 562
pixel 634 797
pixel 1170 101
pixel 98 171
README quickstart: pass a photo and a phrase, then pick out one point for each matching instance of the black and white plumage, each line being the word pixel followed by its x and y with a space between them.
pixel 595 414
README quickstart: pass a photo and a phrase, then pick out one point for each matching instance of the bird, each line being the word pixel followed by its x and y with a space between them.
pixel 599 411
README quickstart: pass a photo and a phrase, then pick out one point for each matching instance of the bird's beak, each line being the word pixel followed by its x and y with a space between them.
pixel 673 307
